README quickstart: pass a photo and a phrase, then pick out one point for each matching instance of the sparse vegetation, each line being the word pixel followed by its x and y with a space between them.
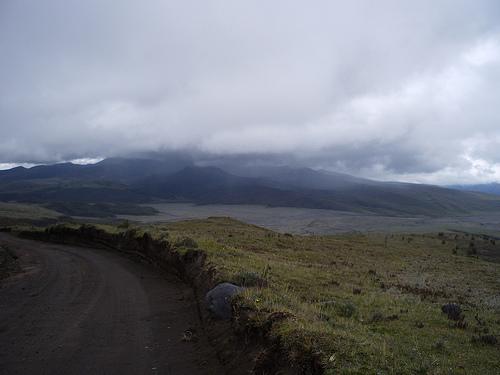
pixel 186 242
pixel 100 210
pixel 357 303
pixel 25 211
pixel 395 325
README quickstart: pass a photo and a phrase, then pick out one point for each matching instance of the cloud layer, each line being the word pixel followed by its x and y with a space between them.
pixel 388 89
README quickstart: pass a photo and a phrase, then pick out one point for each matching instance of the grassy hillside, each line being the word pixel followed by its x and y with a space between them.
pixel 17 213
pixel 363 304
pixel 100 210
pixel 69 190
pixel 49 212
pixel 26 211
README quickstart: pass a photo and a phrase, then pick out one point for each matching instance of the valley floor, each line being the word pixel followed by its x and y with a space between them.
pixel 318 221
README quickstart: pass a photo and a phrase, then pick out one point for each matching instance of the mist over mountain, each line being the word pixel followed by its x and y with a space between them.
pixel 116 169
pixel 179 179
pixel 389 90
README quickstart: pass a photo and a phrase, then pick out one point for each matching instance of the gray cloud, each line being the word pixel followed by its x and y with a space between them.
pixel 386 89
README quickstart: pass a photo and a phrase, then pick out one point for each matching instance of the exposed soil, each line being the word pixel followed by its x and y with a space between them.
pixel 76 310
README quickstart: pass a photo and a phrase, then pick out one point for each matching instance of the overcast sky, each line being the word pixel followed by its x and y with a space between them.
pixel 406 90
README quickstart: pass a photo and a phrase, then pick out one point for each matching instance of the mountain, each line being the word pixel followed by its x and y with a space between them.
pixel 206 185
pixel 121 180
pixel 305 178
pixel 113 169
pixel 492 188
pixel 311 189
pixel 191 183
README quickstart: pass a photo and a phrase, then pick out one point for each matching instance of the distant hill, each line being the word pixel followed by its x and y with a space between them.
pixel 129 181
pixel 312 189
pixel 206 185
pixel 68 190
pixel 306 178
pixel 112 169
pixel 492 188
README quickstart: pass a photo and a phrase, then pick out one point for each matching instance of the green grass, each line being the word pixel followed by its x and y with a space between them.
pixel 100 210
pixel 26 211
pixel 365 304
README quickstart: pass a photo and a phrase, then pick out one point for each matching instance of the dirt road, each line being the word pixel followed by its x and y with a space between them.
pixel 85 311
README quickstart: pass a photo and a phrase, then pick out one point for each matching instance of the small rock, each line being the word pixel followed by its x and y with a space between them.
pixel 189 336
pixel 219 300
pixel 453 310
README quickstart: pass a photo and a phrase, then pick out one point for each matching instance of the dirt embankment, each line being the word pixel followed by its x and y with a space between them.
pixel 240 348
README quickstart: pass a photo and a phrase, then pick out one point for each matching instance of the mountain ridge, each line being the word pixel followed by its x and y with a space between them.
pixel 122 180
pixel 488 188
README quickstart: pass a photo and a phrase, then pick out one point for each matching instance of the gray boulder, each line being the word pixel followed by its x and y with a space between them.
pixel 453 310
pixel 218 300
